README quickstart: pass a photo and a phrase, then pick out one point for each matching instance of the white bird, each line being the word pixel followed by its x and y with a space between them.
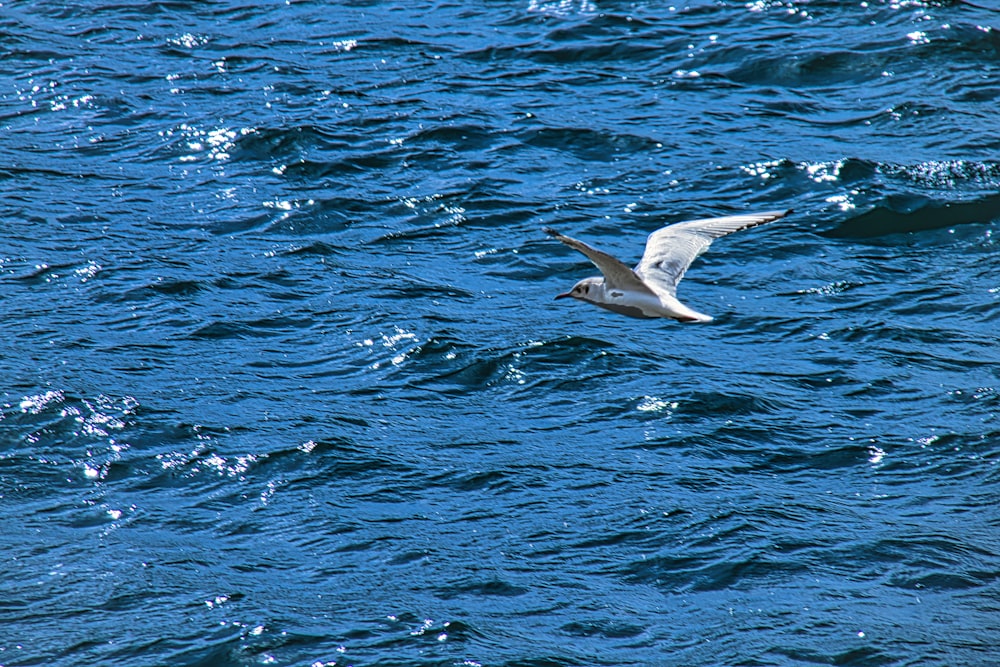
pixel 650 289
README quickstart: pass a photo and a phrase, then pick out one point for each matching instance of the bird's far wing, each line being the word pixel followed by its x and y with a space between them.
pixel 616 274
pixel 670 250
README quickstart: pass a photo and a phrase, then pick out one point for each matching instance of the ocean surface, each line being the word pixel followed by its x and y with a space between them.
pixel 284 382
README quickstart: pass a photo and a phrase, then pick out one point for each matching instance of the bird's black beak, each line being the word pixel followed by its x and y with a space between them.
pixel 563 296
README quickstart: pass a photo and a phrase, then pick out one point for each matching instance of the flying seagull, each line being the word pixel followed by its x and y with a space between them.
pixel 650 289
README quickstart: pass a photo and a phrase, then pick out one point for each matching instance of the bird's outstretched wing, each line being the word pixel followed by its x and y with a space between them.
pixel 670 250
pixel 616 274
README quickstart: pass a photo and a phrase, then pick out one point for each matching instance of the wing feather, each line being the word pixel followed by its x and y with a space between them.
pixel 670 250
pixel 616 274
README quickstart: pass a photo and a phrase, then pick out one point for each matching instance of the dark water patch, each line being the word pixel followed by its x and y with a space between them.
pixel 462 137
pixel 725 404
pixel 859 657
pixel 813 69
pixel 900 331
pixel 832 458
pixel 637 537
pixel 335 460
pixel 429 291
pixel 809 111
pixel 485 588
pixel 598 51
pixel 317 248
pixel 940 361
pixel 346 168
pixel 608 628
pixel 529 363
pixel 692 574
pixel 464 482
pixel 284 144
pixel 442 229
pixel 550 661
pixel 914 563
pixel 164 288
pixel 941 582
pixel 587 144
pixel 916 213
pixel 267 327
pixel 229 225
pixel 963 40
pixel 409 557
pixel 301 219
pixel 44 273
pixel 975 94
pixel 222 647
pixel 833 378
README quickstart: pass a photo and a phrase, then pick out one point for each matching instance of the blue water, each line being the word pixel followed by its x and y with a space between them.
pixel 284 382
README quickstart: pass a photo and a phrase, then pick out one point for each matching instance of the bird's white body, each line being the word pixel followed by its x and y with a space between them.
pixel 635 303
pixel 650 289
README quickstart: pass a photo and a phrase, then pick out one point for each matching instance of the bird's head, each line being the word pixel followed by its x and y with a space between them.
pixel 587 289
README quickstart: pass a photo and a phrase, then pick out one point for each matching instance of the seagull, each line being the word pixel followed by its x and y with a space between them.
pixel 649 290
